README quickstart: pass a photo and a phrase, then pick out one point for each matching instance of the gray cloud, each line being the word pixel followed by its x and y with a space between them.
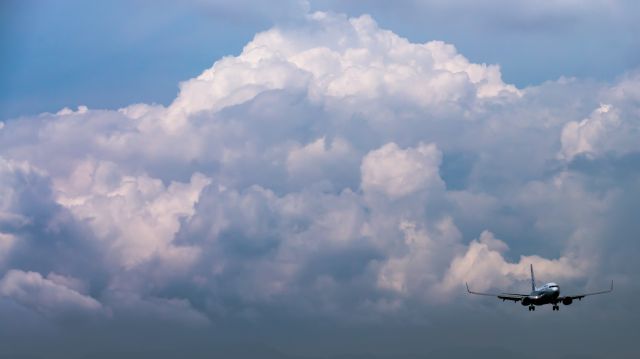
pixel 53 296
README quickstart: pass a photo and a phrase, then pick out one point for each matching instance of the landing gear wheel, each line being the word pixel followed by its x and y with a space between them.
pixel 531 307
pixel 556 307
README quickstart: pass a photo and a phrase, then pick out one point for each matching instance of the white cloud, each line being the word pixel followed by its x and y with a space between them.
pixel 398 173
pixel 322 160
pixel 418 267
pixel 484 266
pixel 364 63
pixel 585 137
pixel 137 216
pixel 610 129
pixel 18 178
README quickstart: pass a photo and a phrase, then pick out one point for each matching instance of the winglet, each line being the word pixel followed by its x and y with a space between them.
pixel 465 283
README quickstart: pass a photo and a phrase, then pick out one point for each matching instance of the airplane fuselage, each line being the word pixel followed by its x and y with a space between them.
pixel 547 294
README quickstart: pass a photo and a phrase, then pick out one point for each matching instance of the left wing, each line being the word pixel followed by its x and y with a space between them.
pixel 516 297
pixel 580 296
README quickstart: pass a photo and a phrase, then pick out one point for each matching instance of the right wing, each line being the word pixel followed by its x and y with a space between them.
pixel 516 297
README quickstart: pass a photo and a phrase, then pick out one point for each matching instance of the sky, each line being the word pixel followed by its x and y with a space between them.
pixel 317 179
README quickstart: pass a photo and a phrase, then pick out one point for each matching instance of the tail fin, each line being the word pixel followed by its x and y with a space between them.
pixel 533 280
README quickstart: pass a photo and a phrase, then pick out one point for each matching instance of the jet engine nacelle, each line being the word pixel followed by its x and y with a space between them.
pixel 526 301
pixel 567 301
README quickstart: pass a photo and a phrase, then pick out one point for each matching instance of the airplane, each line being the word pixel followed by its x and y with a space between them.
pixel 547 294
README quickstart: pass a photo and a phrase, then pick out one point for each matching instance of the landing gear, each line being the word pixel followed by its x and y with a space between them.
pixel 556 307
pixel 531 307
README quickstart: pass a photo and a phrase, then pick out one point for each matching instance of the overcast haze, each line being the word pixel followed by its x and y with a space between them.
pixel 317 179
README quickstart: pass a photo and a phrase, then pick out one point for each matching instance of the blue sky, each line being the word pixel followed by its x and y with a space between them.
pixel 107 54
pixel 317 179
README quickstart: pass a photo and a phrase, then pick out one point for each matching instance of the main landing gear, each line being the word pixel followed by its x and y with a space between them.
pixel 556 307
pixel 532 307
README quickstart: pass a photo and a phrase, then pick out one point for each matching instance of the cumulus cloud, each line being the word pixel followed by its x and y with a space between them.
pixel 365 63
pixel 137 216
pixel 397 173
pixel 585 137
pixel 416 268
pixel 323 162
pixel 484 265
pixel 332 168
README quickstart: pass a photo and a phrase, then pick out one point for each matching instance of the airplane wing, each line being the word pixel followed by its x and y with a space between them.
pixel 516 297
pixel 580 296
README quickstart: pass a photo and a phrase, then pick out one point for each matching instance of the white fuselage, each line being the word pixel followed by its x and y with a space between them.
pixel 547 294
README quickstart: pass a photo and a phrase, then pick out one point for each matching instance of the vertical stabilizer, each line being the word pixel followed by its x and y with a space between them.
pixel 533 280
